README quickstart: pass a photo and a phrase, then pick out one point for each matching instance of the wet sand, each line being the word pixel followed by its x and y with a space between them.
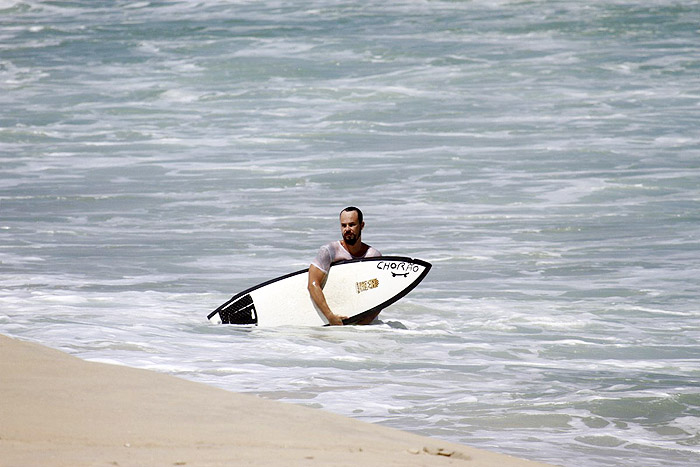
pixel 58 410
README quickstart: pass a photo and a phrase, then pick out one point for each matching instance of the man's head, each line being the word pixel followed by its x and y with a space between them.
pixel 351 224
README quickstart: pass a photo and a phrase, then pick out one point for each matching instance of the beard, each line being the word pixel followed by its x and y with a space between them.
pixel 350 239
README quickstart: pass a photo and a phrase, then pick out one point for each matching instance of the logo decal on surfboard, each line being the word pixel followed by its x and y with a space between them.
pixel 402 266
pixel 366 285
pixel 397 274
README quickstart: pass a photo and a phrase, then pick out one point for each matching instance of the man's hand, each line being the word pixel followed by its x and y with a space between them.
pixel 335 320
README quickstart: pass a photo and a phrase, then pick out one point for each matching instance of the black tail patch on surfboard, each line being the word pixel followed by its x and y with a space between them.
pixel 241 311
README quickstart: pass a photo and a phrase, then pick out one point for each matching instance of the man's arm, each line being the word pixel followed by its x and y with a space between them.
pixel 316 277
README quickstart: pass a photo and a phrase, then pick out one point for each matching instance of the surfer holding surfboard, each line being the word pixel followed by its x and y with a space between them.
pixel 349 282
pixel 348 248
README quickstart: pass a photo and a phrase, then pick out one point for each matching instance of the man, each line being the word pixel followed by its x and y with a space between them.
pixel 350 247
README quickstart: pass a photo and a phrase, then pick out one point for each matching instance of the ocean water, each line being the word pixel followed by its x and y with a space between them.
pixel 157 157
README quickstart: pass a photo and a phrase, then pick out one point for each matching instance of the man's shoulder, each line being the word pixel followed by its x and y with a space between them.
pixel 372 252
pixel 330 247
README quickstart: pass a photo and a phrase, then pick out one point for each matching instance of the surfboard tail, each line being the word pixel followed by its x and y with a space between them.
pixel 237 311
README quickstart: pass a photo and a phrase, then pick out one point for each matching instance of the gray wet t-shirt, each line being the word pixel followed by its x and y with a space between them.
pixel 334 252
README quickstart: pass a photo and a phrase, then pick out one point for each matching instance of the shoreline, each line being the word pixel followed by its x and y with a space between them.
pixel 59 410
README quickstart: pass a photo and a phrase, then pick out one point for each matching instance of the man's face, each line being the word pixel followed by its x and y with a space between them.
pixel 350 228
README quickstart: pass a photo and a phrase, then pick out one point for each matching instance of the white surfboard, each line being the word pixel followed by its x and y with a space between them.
pixel 356 288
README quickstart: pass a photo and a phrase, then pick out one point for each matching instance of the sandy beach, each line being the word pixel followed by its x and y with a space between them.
pixel 58 410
